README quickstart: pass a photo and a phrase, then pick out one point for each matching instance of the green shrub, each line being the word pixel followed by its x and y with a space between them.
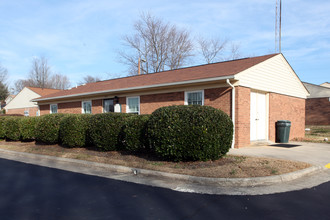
pixel 190 133
pixel 47 128
pixel 2 127
pixel 12 131
pixel 104 129
pixel 73 130
pixel 27 128
pixel 133 134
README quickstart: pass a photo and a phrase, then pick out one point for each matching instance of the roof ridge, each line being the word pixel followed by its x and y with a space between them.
pixel 200 65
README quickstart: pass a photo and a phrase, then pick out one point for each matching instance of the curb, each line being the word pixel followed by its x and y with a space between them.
pixel 226 182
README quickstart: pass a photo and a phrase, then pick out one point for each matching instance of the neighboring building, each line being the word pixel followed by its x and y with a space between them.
pixel 22 104
pixel 254 92
pixel 9 98
pixel 326 84
pixel 318 104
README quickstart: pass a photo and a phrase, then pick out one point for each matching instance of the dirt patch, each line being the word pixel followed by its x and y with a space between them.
pixel 226 167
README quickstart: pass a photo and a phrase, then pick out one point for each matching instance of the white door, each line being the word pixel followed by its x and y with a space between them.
pixel 258 117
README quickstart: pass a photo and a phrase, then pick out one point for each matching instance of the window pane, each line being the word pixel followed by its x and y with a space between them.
pixel 195 98
pixel 133 105
pixel 53 109
pixel 87 107
pixel 108 105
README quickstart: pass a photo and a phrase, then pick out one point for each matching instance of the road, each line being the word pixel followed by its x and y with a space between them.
pixel 35 192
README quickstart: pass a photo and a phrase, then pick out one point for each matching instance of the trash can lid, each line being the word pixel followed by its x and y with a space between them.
pixel 284 121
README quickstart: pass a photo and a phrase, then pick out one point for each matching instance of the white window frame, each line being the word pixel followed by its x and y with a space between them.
pixel 50 108
pixel 127 108
pixel 82 106
pixel 188 92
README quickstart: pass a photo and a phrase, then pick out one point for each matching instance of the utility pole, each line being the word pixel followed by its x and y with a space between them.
pixel 278 25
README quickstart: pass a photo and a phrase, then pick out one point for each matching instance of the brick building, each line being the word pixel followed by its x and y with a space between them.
pixel 318 104
pixel 255 92
pixel 22 104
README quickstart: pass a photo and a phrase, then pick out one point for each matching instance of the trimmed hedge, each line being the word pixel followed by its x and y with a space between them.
pixel 190 133
pixel 12 128
pixel 104 129
pixel 48 127
pixel 73 130
pixel 133 133
pixel 27 128
pixel 2 127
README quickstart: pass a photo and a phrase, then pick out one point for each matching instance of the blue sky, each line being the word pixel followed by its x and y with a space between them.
pixel 82 37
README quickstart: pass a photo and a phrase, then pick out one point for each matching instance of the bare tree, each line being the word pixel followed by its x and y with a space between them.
pixel 160 45
pixel 42 76
pixel 212 48
pixel 59 81
pixel 89 79
pixel 3 85
pixel 40 73
pixel 3 74
pixel 234 52
pixel 215 50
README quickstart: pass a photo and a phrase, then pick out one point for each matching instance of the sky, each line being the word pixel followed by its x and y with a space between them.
pixel 83 37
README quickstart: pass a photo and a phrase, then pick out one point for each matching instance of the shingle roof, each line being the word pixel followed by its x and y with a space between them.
pixel 43 92
pixel 221 69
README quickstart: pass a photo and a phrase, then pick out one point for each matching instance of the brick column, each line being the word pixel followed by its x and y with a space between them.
pixel 242 119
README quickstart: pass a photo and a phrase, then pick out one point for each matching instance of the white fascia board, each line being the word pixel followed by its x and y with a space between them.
pixel 139 87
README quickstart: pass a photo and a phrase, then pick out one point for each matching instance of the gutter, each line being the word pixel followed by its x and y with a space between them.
pixel 138 88
pixel 232 110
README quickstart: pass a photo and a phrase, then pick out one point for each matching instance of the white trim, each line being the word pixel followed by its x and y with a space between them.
pixel 82 106
pixel 50 109
pixel 140 87
pixel 186 96
pixel 233 94
pixel 127 108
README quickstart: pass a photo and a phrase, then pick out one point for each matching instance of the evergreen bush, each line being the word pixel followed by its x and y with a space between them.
pixel 47 128
pixel 27 128
pixel 73 130
pixel 189 133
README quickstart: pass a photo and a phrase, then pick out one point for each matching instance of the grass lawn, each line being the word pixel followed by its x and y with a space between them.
pixel 317 134
pixel 226 167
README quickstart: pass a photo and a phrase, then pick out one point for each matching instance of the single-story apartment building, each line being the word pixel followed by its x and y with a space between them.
pixel 318 104
pixel 255 92
pixel 22 104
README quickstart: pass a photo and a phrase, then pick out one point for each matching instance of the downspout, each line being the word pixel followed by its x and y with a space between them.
pixel 232 110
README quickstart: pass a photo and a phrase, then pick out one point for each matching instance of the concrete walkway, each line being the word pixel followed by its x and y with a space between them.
pixel 317 154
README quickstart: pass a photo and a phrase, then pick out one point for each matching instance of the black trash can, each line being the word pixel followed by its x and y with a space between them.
pixel 283 131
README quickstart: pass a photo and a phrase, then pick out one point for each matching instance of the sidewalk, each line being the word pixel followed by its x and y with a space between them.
pixel 240 186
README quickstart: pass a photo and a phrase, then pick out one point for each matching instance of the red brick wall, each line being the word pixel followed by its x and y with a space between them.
pixel 318 111
pixel 69 107
pixel 44 109
pixel 219 98
pixel 32 111
pixel 242 118
pixel 149 103
pixel 97 106
pixel 283 107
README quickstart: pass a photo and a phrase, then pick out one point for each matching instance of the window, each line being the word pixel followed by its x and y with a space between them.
pixel 133 105
pixel 194 98
pixel 26 113
pixel 108 105
pixel 86 107
pixel 53 108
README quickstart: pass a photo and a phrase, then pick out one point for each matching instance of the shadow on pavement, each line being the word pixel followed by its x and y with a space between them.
pixel 285 145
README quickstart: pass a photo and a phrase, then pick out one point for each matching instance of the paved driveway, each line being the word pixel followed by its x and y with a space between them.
pixel 313 153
